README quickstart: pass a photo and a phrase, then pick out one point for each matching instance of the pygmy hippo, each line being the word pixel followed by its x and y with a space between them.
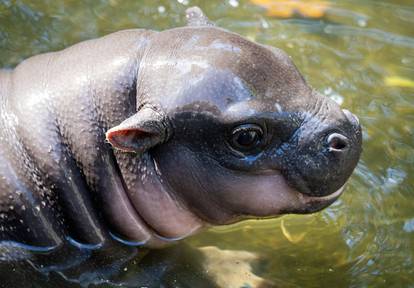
pixel 145 137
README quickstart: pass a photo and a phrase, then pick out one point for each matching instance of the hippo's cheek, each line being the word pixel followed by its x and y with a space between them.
pixel 220 195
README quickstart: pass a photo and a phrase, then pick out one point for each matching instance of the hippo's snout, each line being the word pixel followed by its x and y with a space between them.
pixel 324 153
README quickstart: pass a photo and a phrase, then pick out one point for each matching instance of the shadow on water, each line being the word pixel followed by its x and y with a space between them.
pixel 361 54
pixel 114 266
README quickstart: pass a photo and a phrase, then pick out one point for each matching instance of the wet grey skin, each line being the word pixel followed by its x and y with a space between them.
pixel 146 137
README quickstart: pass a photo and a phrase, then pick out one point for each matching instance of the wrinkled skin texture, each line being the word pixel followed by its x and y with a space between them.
pixel 170 103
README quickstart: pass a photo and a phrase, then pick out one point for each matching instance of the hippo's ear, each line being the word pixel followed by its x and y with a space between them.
pixel 140 132
pixel 196 17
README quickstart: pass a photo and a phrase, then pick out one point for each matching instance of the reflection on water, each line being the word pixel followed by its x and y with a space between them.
pixel 366 238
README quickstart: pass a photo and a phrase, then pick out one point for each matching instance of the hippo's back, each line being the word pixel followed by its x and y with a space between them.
pixel 54 161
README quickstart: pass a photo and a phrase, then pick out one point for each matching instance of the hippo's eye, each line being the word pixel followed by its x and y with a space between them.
pixel 246 137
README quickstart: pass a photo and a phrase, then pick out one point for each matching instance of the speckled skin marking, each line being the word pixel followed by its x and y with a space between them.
pixel 181 91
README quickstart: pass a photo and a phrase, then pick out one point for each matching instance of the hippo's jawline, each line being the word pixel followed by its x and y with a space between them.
pixel 289 200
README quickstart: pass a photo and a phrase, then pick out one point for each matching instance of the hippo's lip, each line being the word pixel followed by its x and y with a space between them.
pixel 282 198
pixel 328 198
pixel 317 203
pixel 273 196
pixel 331 197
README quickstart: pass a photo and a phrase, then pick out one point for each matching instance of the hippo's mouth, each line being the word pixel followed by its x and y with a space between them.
pixel 310 203
pixel 317 203
pixel 273 195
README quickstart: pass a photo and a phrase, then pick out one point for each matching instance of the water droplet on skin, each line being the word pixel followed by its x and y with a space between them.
pixel 278 108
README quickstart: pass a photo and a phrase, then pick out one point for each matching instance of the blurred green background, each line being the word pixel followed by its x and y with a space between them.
pixel 360 53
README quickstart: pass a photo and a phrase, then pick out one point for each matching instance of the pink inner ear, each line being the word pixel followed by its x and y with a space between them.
pixel 126 139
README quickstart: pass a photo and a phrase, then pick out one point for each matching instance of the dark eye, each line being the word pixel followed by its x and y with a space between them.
pixel 246 137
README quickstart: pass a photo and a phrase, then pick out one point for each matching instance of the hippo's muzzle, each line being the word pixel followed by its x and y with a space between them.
pixel 323 152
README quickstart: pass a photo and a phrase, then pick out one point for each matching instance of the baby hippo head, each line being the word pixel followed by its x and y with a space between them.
pixel 233 128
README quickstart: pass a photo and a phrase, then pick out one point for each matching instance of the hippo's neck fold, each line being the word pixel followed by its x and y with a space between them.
pixel 154 200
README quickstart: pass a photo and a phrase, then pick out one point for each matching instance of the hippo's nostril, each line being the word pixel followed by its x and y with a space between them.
pixel 337 142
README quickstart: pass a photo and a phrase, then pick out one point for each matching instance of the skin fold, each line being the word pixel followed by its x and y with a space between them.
pixel 146 137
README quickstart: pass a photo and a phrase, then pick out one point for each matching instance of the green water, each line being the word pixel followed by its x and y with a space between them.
pixel 366 239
